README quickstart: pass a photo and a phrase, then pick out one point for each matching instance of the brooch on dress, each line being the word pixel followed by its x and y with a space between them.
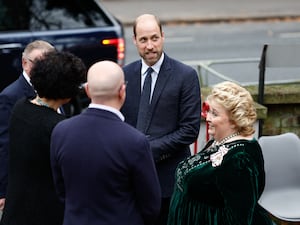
pixel 217 158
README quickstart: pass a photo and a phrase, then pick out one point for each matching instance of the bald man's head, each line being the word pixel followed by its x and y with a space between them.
pixel 105 79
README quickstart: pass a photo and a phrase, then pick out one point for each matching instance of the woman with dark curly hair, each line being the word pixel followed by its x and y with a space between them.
pixel 31 197
pixel 221 184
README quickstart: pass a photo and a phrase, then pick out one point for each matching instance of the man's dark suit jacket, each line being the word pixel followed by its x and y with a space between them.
pixel 104 171
pixel 173 118
pixel 8 98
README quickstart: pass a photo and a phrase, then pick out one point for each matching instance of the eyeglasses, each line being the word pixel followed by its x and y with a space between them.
pixel 30 60
pixel 81 86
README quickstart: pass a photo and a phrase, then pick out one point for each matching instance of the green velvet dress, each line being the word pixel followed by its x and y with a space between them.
pixel 224 192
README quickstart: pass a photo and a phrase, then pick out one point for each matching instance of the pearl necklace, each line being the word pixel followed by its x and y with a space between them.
pixel 222 142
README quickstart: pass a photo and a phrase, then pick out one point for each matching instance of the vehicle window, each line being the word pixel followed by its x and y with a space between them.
pixel 39 15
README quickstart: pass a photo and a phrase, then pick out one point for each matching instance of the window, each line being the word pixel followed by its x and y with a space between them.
pixel 39 15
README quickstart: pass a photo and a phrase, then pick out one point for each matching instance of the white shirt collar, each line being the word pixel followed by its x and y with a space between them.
pixel 155 67
pixel 107 108
pixel 27 78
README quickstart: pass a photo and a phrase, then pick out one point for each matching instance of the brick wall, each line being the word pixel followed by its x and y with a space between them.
pixel 282 118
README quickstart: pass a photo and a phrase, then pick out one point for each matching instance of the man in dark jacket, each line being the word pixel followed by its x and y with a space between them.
pixel 9 96
pixel 102 167
pixel 171 119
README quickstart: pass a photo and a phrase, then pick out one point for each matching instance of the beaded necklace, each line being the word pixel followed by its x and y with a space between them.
pixel 42 103
pixel 217 157
pixel 222 142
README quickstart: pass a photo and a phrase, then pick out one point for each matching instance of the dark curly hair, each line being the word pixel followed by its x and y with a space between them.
pixel 58 75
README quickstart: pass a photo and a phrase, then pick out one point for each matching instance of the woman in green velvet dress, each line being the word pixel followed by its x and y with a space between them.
pixel 221 184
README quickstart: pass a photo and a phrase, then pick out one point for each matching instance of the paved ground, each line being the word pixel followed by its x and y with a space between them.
pixel 182 11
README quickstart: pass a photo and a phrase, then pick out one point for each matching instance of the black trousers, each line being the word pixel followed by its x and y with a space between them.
pixel 164 212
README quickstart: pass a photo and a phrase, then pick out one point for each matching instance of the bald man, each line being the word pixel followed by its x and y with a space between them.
pixel 102 167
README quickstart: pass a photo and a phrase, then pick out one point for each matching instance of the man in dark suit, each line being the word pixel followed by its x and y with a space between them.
pixel 172 118
pixel 102 167
pixel 9 96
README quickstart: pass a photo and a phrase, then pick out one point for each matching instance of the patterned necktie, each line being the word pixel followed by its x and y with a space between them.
pixel 144 101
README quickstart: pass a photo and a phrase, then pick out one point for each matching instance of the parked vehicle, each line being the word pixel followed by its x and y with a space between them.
pixel 83 27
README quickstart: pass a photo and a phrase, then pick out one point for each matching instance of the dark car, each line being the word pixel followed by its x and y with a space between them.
pixel 82 27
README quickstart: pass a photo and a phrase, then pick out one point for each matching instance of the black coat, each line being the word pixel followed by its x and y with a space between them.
pixel 8 97
pixel 31 198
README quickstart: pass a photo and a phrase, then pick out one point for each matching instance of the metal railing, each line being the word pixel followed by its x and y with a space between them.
pixel 204 68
